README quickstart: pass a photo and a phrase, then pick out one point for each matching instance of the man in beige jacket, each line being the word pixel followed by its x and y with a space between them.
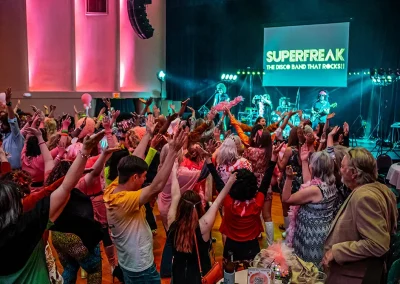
pixel 359 236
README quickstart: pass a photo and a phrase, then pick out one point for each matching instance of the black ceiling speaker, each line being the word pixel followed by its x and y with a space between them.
pixel 138 17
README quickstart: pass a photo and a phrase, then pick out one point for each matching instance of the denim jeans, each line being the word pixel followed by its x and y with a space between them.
pixel 148 276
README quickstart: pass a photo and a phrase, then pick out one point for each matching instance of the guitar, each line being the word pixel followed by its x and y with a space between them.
pixel 316 115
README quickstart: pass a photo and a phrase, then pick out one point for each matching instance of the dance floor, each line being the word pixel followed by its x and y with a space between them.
pixel 159 241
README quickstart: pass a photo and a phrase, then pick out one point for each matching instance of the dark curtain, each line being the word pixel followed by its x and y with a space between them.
pixel 206 38
pixel 125 106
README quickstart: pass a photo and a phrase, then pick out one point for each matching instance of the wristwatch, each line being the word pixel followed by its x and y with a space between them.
pixel 9 104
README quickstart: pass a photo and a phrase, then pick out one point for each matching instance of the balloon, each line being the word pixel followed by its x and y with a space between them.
pixel 3 98
pixel 86 99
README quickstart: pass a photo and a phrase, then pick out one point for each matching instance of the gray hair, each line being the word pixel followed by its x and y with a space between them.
pixel 364 164
pixel 322 167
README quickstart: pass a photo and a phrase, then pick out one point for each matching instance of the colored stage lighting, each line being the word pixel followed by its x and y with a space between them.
pixel 161 75
pixel 223 77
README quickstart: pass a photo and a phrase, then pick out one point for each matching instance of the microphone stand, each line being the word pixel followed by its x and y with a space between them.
pixel 203 109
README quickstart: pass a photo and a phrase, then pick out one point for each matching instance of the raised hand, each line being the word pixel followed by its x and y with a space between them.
pixel 115 115
pixel 34 108
pixel 102 111
pixel 171 106
pixel 156 140
pixel 211 146
pixel 334 131
pixel 149 101
pixel 203 153
pixel 76 110
pixel 109 151
pixel 191 109
pixel 346 128
pixel 217 134
pixel 34 132
pixel 107 102
pixel 150 124
pixel 83 122
pixel 323 138
pixel 53 107
pixel 289 172
pixel 106 122
pixel 304 153
pixel 277 148
pixel 330 116
pixel 91 141
pixel 178 141
pixel 66 122
pixel 156 110
pixel 185 102
pixel 8 95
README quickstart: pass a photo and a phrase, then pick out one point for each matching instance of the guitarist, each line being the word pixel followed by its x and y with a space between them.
pixel 320 109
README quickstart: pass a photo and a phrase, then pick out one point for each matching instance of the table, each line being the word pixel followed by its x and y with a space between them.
pixel 394 176
pixel 240 277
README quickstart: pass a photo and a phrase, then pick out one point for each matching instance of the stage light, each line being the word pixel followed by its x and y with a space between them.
pixel 161 75
pixel 238 72
pixel 263 73
pixel 222 76
pixel 235 78
pixel 258 73
pixel 349 73
pixel 373 80
pixel 230 77
pixel 248 73
pixel 243 73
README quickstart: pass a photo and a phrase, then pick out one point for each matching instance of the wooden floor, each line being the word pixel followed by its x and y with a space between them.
pixel 159 241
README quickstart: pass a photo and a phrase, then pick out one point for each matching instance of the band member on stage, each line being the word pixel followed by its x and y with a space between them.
pixel 264 106
pixel 320 109
pixel 221 95
pixel 283 105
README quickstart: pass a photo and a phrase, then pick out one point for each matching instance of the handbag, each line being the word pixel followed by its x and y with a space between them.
pixel 215 273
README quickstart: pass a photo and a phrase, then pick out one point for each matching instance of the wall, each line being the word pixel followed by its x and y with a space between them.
pixel 54 51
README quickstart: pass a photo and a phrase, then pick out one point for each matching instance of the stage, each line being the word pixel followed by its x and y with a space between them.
pixel 370 145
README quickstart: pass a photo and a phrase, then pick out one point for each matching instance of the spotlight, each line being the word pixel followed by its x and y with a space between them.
pixel 258 73
pixel 243 73
pixel 161 76
pixel 234 78
pixel 238 72
pixel 230 77
pixel 222 76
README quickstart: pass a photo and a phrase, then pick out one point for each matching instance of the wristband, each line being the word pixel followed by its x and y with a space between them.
pixel 42 143
pixel 64 134
pixel 83 155
pixel 64 131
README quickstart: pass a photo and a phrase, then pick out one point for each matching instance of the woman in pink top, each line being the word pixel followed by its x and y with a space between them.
pixel 187 179
pixel 33 162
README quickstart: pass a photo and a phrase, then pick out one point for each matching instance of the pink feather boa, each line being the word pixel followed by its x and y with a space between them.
pixel 294 210
pixel 229 105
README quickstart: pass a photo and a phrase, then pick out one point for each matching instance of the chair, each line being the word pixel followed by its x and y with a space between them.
pixel 383 162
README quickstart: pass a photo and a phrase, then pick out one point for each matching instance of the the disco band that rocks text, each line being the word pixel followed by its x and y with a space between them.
pixel 306 66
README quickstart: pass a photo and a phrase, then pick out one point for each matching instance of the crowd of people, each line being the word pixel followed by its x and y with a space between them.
pixel 77 181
